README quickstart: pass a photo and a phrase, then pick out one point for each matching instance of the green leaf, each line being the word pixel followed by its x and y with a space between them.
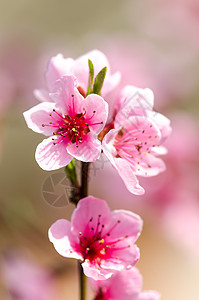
pixel 71 174
pixel 99 80
pixel 91 77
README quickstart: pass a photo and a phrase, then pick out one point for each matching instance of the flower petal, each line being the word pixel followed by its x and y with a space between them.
pixel 128 225
pixel 80 68
pixel 89 208
pixel 128 176
pixel 89 150
pixel 65 95
pixel 121 257
pixel 96 112
pixel 93 271
pixel 110 83
pixel 57 67
pixel 130 280
pixel 63 240
pixel 150 166
pixel 52 157
pixel 42 95
pixel 162 122
pixel 134 102
pixel 38 115
pixel 149 295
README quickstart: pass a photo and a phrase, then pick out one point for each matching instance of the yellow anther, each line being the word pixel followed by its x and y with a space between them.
pixel 101 241
pixel 73 129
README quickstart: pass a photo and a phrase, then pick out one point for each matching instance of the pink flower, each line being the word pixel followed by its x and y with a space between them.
pixel 59 66
pixel 25 279
pixel 101 239
pixel 72 122
pixel 125 285
pixel 133 145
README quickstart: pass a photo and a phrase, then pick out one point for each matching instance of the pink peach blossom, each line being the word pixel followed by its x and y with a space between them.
pixel 101 239
pixel 125 285
pixel 25 279
pixel 59 66
pixel 135 142
pixel 72 122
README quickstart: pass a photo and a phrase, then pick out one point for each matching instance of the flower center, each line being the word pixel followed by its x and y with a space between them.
pixel 74 128
pixel 70 128
pixel 96 243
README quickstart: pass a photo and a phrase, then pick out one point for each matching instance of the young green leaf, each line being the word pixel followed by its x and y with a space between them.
pixel 91 77
pixel 99 80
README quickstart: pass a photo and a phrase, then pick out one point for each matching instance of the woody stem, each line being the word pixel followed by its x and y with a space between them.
pixel 83 193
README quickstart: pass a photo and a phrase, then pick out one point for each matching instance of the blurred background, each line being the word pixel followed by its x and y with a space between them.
pixel 154 44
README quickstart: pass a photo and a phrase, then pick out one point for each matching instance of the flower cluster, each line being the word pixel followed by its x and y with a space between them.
pixel 74 114
pixel 80 121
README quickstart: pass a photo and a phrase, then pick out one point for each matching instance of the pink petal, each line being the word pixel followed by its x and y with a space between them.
pixel 161 122
pixel 93 271
pixel 150 295
pixel 65 95
pixel 130 280
pixel 138 123
pixel 80 68
pixel 128 176
pixel 95 103
pixel 159 150
pixel 57 67
pixel 107 145
pixel 123 167
pixel 150 166
pixel 42 95
pixel 110 83
pixel 130 225
pixel 52 157
pixel 142 129
pixel 89 150
pixel 63 240
pixel 38 115
pixel 88 208
pixel 122 256
pixel 134 101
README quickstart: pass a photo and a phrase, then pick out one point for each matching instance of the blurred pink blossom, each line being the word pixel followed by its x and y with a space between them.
pixel 101 239
pixel 18 62
pixel 125 285
pixel 6 91
pixel 72 122
pixel 25 279
pixel 169 68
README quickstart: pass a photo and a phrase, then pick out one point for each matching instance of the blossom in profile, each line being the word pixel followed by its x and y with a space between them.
pixel 102 240
pixel 125 285
pixel 72 123
pixel 59 66
pixel 136 140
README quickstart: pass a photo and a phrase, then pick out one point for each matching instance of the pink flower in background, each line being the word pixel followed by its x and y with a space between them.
pixel 135 142
pixel 101 239
pixel 176 206
pixel 26 279
pixel 59 66
pixel 72 122
pixel 171 74
pixel 6 91
pixel 125 285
